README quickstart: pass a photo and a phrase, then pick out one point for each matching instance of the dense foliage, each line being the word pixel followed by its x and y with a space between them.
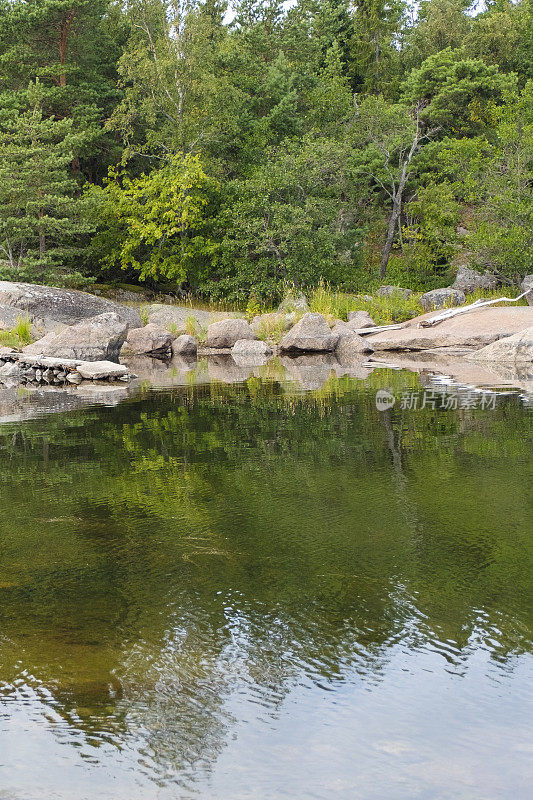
pixel 229 151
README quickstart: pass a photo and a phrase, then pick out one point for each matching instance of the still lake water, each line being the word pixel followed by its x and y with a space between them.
pixel 252 591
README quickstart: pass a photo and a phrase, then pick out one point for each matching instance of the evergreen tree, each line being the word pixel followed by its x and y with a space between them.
pixel 39 214
pixel 71 47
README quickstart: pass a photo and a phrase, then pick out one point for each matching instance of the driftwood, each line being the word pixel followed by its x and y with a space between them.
pixel 450 312
pixel 453 312
pixel 377 329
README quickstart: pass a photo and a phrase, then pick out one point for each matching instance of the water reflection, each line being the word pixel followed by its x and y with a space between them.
pixel 249 591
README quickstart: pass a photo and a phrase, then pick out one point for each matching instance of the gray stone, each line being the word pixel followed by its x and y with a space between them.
pixel 228 331
pixel 442 298
pixel 527 286
pixel 310 334
pixel 38 347
pixel 185 345
pixel 98 370
pixel 516 349
pixel 74 377
pixel 250 351
pixel 9 316
pixel 341 328
pixel 468 280
pixel 150 339
pixel 10 370
pixel 251 346
pixel 293 302
pixel 387 291
pixel 64 305
pixel 92 339
pixel 350 347
pixel 360 319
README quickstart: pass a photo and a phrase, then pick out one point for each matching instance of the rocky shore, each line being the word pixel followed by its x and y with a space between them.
pixel 82 338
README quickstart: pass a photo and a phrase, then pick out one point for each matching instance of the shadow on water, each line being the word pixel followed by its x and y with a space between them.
pixel 200 574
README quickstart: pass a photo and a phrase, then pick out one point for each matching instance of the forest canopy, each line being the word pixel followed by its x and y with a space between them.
pixel 228 151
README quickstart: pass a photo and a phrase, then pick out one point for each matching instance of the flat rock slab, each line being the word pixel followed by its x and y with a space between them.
pixel 63 305
pixel 472 329
pixel 516 349
pixel 100 370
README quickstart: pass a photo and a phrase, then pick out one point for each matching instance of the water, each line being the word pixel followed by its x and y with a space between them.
pixel 252 591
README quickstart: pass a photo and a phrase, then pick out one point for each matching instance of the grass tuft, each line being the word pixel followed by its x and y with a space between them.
pixel 19 335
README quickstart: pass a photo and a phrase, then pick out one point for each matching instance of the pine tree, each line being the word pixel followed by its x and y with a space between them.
pixel 71 47
pixel 38 209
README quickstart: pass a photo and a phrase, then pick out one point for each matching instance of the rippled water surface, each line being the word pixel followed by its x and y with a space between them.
pixel 256 591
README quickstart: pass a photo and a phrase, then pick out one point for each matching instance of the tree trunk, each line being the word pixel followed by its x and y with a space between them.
pixel 391 228
pixel 63 39
pixel 397 203
pixel 42 237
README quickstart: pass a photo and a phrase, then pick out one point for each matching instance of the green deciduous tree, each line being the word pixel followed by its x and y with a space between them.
pixel 386 138
pixel 292 221
pixel 156 225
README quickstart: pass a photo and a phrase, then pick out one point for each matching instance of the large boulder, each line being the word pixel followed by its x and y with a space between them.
pixel 360 319
pixel 471 329
pixel 387 291
pixel 527 286
pixel 97 339
pixel 228 331
pixel 442 298
pixel 62 305
pixel 516 349
pixel 9 316
pixel 310 334
pixel 468 280
pixel 350 347
pixel 152 339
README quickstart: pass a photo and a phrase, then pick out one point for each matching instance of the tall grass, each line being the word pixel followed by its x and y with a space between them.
pixel 20 334
pixel 383 310
pixel 271 328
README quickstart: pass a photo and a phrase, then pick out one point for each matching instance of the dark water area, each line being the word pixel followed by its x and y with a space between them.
pixel 254 591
